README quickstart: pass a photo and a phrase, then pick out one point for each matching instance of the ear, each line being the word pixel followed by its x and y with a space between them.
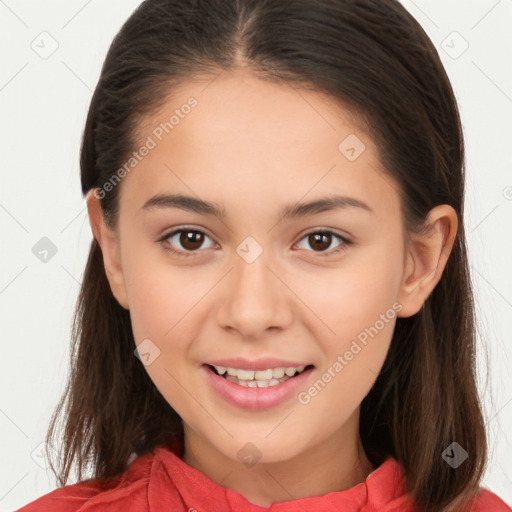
pixel 108 239
pixel 426 258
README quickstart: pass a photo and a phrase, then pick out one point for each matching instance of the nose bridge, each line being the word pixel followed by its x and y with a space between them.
pixel 252 265
pixel 254 299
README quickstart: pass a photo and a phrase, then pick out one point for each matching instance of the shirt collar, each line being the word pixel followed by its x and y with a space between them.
pixel 173 481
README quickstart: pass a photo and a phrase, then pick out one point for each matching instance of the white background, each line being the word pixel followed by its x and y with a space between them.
pixel 43 104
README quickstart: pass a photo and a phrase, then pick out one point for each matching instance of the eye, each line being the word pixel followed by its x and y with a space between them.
pixel 190 239
pixel 323 239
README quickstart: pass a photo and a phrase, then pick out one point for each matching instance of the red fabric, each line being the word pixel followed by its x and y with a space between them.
pixel 160 481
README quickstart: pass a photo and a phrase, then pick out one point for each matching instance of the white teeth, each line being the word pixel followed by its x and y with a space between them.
pixel 246 374
pixel 277 373
pixel 256 383
pixel 259 378
pixel 260 375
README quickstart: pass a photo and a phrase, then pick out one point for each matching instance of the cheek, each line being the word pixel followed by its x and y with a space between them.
pixel 358 310
pixel 353 296
pixel 164 303
pixel 162 296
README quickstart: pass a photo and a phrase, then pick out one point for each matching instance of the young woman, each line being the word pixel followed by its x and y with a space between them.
pixel 276 313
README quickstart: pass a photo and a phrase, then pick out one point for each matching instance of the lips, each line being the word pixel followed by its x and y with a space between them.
pixel 255 398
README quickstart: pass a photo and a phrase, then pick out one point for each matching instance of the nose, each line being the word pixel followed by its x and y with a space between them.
pixel 254 298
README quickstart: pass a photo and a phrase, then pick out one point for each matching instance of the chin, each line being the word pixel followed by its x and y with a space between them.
pixel 250 449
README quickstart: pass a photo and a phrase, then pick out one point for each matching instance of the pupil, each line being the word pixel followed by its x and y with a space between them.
pixel 317 237
pixel 188 237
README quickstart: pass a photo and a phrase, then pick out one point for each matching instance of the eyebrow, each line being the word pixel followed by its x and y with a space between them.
pixel 196 205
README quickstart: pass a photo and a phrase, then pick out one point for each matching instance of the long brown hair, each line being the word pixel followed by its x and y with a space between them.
pixel 374 58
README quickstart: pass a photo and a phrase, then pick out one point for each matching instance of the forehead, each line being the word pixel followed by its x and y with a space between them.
pixel 237 138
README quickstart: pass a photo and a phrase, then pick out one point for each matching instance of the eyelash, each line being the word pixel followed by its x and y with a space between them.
pixel 187 254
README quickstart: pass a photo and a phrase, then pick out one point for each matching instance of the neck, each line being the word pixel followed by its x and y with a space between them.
pixel 336 464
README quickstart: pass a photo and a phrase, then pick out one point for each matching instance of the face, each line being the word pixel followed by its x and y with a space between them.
pixel 254 289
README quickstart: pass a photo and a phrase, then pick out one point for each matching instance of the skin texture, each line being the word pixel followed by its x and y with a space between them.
pixel 253 146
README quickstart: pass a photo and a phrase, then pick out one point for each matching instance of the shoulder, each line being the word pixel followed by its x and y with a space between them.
pixel 91 495
pixel 487 501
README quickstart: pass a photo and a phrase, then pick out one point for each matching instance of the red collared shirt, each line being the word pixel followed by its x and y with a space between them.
pixel 159 481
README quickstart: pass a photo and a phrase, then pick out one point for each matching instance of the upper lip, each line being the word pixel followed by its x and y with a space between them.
pixel 258 364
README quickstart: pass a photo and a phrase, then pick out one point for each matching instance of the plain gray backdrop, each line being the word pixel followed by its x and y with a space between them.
pixel 51 55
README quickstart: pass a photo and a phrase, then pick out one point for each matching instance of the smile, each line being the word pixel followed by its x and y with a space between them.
pixel 258 378
pixel 256 390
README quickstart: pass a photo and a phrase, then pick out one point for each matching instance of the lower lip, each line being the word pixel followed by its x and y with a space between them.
pixel 255 399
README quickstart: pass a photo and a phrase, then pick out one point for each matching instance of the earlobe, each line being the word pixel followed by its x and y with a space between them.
pixel 426 258
pixel 109 243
